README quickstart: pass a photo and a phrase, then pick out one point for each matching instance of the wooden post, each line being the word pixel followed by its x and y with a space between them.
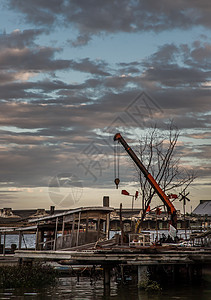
pixel 72 232
pixel 98 227
pixel 106 274
pixel 156 226
pixel 1 249
pixel 87 227
pixel 40 239
pixel 132 202
pixel 4 244
pixel 122 273
pixel 63 225
pixel 55 236
pixel 20 240
pixel 143 276
pixel 107 225
pixel 143 196
pixel 185 221
pixel 121 224
pixel 106 271
pixel 78 229
pixel 106 281
pixel 37 243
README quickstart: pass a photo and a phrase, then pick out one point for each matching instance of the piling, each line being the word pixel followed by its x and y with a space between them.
pixel 143 275
pixel 107 279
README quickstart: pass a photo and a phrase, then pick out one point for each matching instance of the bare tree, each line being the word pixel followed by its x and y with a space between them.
pixel 157 151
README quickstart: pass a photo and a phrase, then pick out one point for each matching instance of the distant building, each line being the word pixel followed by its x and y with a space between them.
pixel 203 209
pixel 20 217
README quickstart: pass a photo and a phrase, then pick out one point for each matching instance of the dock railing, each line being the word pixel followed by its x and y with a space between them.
pixel 139 239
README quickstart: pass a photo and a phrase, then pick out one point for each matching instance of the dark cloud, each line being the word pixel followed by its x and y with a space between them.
pixel 21 59
pixel 200 159
pixel 179 66
pixel 199 56
pixel 50 121
pixel 40 12
pixel 200 135
pixel 173 75
pixel 35 59
pixel 94 17
pixel 166 54
pixel 81 40
pixel 87 66
pixel 19 39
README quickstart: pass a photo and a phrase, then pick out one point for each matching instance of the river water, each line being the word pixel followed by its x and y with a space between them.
pixel 69 288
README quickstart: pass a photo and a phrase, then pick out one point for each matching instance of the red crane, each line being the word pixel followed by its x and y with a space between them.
pixel 170 207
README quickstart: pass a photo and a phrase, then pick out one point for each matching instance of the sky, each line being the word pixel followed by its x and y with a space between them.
pixel 73 73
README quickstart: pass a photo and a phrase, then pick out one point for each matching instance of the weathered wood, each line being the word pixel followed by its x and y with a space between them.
pixel 78 229
pixel 20 240
pixel 121 224
pixel 107 279
pixel 72 232
pixel 107 225
pixel 98 227
pixel 36 239
pixel 92 211
pixel 55 235
pixel 121 256
pixel 142 275
pixel 40 239
pixel 4 243
pixel 87 227
pixel 63 226
pixel 68 218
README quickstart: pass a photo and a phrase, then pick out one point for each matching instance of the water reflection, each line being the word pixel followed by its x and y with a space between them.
pixel 69 288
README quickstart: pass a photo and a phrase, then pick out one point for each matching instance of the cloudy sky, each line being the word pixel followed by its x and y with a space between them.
pixel 75 72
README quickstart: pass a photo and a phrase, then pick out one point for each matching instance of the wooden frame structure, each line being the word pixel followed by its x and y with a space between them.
pixel 72 228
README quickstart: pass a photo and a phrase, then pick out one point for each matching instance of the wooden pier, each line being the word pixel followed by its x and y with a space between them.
pixel 81 237
pixel 192 259
pixel 123 255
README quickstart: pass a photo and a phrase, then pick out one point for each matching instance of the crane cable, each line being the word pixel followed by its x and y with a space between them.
pixel 116 163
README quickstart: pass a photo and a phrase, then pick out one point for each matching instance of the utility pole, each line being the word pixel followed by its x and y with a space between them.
pixel 184 198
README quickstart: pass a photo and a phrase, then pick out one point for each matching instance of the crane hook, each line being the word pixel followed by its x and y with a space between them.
pixel 117 181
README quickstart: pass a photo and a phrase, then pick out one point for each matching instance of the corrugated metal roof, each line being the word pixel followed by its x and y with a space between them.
pixel 204 208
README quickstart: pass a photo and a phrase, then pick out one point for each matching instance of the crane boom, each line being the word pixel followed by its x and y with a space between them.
pixel 170 207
